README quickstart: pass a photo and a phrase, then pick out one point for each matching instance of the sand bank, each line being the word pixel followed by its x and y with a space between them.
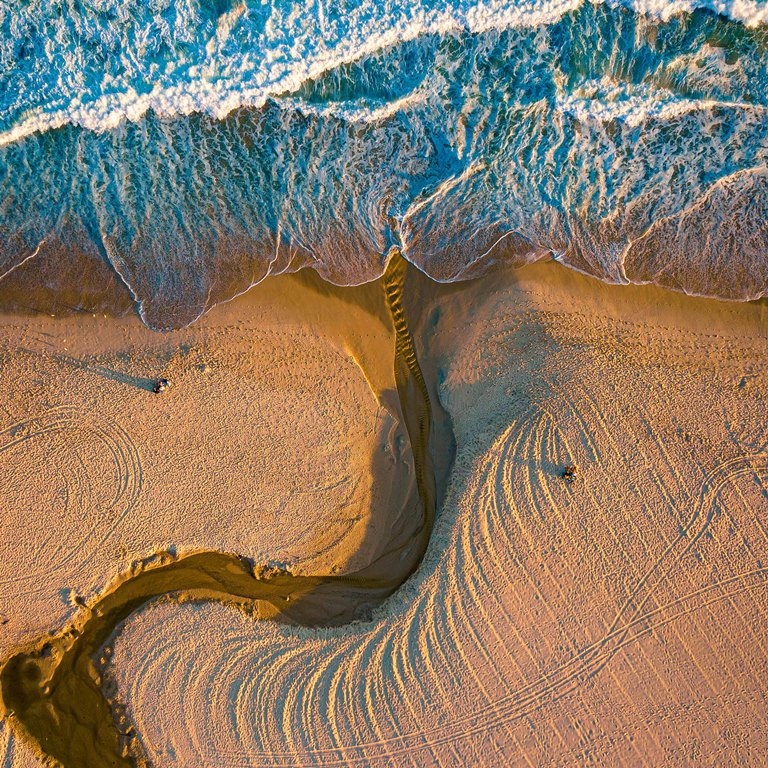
pixel 55 692
pixel 618 619
pixel 615 619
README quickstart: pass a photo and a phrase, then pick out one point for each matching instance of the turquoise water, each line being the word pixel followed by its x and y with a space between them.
pixel 190 149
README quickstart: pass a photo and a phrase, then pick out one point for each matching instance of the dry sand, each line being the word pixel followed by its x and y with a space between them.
pixel 618 619
pixel 279 435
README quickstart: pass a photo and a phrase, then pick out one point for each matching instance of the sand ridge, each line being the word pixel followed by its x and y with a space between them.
pixel 615 620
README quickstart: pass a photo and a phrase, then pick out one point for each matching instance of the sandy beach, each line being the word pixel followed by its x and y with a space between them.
pixel 384 384
pixel 273 442
pixel 615 619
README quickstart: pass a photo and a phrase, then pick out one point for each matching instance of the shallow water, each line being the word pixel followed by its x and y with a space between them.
pixel 173 155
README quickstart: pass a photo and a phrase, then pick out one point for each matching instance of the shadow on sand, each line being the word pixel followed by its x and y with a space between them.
pixel 53 692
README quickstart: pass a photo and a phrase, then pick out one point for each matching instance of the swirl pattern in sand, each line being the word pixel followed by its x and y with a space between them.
pixel 551 623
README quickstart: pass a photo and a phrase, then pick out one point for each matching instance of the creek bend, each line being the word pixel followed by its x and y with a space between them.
pixel 53 692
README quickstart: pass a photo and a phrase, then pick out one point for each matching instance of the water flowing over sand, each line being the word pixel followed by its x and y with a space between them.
pixel 55 691
pixel 174 155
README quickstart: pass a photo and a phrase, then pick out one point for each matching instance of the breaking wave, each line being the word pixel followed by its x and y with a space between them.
pixel 174 154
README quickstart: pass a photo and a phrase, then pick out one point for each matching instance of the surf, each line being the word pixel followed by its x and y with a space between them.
pixel 628 141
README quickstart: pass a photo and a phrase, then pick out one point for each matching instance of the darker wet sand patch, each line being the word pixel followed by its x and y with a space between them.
pixel 53 692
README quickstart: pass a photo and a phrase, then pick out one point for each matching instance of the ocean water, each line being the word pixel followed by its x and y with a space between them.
pixel 185 150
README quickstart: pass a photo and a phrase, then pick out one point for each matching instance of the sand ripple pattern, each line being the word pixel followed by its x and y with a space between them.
pixel 69 436
pixel 537 591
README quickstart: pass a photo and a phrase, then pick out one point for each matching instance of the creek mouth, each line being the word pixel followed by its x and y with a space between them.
pixel 55 693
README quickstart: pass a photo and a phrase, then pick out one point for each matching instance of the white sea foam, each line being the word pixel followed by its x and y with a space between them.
pixel 176 62
pixel 464 135
pixel 605 100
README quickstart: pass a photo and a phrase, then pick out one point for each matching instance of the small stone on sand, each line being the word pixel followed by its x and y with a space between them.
pixel 570 472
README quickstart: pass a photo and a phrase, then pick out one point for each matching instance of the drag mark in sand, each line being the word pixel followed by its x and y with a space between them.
pixel 635 615
pixel 68 433
pixel 520 447
pixel 53 693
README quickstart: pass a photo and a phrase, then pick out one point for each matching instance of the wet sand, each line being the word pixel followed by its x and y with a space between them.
pixel 614 619
pixel 54 692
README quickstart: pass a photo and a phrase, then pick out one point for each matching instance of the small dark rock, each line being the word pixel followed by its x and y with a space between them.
pixel 570 473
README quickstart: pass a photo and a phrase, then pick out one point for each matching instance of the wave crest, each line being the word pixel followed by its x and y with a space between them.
pixel 631 148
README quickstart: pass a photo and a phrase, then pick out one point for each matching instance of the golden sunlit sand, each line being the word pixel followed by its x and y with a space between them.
pixel 614 619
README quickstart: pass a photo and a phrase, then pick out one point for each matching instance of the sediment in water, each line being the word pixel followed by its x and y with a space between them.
pixel 54 692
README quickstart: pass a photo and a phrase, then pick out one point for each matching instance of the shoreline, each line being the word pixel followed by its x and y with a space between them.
pixel 657 398
pixel 110 298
